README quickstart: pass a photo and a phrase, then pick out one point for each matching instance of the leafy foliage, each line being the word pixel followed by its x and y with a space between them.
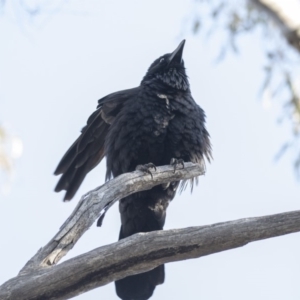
pixel 11 148
pixel 236 18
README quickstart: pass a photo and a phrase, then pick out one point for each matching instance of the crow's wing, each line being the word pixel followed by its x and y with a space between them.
pixel 88 150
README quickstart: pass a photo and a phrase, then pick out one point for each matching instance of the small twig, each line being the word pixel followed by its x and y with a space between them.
pixel 280 12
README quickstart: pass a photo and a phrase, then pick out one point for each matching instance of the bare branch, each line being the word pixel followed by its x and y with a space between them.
pixel 97 202
pixel 143 252
pixel 41 279
pixel 286 15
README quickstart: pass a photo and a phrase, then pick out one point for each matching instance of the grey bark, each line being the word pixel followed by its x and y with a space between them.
pixel 97 202
pixel 41 278
pixel 142 252
pixel 286 15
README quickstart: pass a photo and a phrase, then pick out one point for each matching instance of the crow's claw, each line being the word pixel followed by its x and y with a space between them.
pixel 176 162
pixel 145 168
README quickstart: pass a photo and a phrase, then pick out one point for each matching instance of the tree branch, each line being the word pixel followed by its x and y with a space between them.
pixel 142 252
pixel 97 202
pixel 42 279
pixel 286 15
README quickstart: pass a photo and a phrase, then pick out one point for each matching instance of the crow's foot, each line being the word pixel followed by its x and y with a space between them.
pixel 146 168
pixel 176 162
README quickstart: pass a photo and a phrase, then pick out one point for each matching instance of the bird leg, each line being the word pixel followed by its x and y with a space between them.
pixel 145 168
pixel 176 162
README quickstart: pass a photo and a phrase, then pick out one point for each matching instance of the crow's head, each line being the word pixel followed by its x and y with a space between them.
pixel 169 69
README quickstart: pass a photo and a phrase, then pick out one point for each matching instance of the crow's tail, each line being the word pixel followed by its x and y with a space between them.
pixel 143 212
pixel 140 286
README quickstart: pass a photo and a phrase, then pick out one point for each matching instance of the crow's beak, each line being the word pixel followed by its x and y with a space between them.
pixel 176 56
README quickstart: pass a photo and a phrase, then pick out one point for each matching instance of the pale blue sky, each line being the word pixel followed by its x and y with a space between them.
pixel 53 71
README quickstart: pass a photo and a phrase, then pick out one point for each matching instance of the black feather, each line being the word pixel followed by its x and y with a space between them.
pixel 153 123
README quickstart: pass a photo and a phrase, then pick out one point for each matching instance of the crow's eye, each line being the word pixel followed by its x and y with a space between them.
pixel 161 60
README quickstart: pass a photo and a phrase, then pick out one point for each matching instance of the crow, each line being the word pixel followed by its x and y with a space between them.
pixel 156 123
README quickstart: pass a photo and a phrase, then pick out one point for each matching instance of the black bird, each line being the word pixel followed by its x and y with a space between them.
pixel 156 123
